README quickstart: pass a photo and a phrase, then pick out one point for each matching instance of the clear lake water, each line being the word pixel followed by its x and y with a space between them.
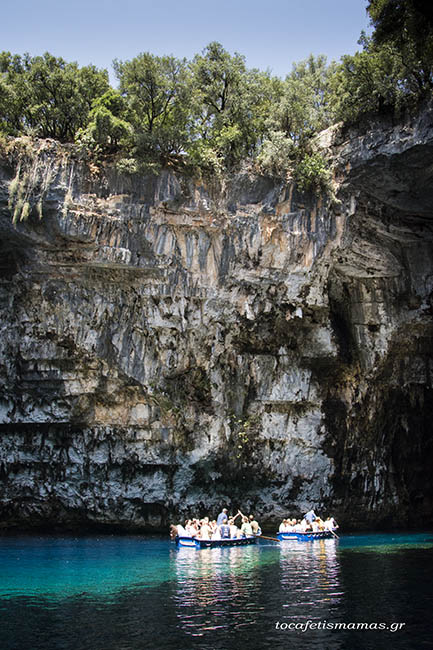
pixel 132 593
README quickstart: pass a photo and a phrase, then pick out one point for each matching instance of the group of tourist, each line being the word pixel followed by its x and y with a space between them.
pixel 223 527
pixel 310 523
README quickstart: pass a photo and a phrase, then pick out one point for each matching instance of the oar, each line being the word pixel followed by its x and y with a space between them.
pixel 273 539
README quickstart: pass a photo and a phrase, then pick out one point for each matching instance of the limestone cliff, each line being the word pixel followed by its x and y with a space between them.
pixel 168 346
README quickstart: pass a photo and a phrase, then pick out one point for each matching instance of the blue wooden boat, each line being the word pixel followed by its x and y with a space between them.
pixel 193 542
pixel 305 537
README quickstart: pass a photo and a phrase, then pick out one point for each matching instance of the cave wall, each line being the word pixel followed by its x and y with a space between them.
pixel 169 345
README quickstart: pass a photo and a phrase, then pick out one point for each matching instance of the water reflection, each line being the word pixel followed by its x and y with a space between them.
pixel 219 588
pixel 230 588
pixel 310 577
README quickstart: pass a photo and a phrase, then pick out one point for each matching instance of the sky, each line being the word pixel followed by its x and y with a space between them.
pixel 271 34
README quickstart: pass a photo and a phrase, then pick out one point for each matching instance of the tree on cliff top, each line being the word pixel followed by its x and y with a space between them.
pixel 230 106
pixel 304 107
pixel 210 114
pixel 108 128
pixel 394 69
pixel 370 81
pixel 47 96
pixel 407 25
pixel 156 90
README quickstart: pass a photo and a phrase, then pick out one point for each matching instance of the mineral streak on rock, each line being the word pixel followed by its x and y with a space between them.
pixel 168 345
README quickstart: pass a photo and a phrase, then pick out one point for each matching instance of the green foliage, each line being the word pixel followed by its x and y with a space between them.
pixel 407 26
pixel 312 174
pixel 208 115
pixel 157 93
pixel 11 104
pixel 230 105
pixel 395 68
pixel 276 155
pixel 45 96
pixel 203 158
pixel 127 166
pixel 244 433
pixel 370 81
pixel 107 126
pixel 304 107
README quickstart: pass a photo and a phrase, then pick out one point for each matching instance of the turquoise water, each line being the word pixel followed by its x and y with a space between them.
pixel 130 592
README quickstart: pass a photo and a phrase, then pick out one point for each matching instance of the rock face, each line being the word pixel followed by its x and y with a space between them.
pixel 168 346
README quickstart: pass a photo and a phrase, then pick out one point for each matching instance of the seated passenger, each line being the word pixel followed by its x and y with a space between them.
pixel 283 527
pixel 216 535
pixel 234 530
pixel 297 528
pixel 320 523
pixel 224 529
pixel 255 526
pixel 315 526
pixel 246 529
pixel 174 531
pixel 181 530
pixel 191 529
pixel 304 525
pixel 205 530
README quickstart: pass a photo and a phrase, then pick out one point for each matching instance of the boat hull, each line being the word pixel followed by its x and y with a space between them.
pixel 304 537
pixel 193 542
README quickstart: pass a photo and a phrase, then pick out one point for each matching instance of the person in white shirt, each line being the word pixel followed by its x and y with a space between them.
pixel 330 524
pixel 234 530
pixel 181 531
pixel 246 529
pixel 284 526
pixel 190 528
pixel 216 535
pixel 205 529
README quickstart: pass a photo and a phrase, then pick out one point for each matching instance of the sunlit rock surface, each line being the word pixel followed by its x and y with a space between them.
pixel 169 346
